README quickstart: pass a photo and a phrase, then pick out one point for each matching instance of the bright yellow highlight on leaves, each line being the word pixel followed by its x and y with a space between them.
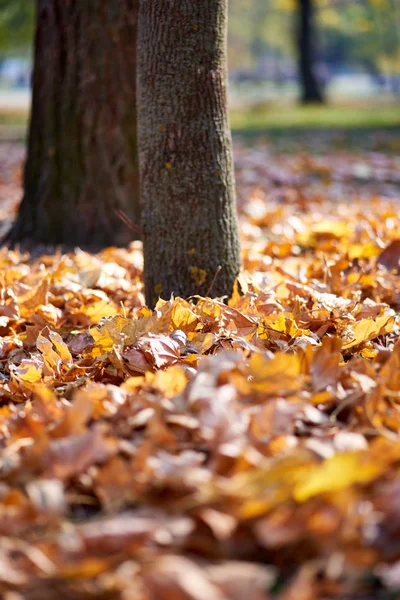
pixel 368 250
pixel 54 350
pixel 113 333
pixel 324 230
pixel 282 372
pixel 98 310
pixel 337 473
pixel 28 372
pixel 183 317
pixel 61 347
pixel 283 324
pixel 368 329
pixel 171 382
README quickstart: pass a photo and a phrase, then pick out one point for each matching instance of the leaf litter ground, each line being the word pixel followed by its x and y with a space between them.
pixel 207 451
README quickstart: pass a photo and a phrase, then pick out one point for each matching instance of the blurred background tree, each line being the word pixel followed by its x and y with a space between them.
pixel 351 38
pixel 307 53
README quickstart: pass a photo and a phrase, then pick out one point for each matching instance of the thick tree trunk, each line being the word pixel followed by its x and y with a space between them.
pixel 82 156
pixel 306 34
pixel 189 217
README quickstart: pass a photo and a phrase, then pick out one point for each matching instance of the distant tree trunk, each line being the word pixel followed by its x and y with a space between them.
pixel 82 150
pixel 189 217
pixel 306 36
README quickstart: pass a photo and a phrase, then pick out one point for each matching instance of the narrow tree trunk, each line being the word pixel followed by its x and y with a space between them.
pixel 189 217
pixel 82 156
pixel 306 35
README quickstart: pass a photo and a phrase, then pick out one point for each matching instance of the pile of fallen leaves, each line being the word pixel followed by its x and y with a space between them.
pixel 203 450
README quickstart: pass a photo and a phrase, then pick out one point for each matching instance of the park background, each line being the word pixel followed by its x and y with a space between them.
pixel 356 52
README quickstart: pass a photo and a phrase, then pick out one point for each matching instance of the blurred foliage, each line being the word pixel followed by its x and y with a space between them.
pixel 16 25
pixel 367 33
pixel 352 33
pixel 362 34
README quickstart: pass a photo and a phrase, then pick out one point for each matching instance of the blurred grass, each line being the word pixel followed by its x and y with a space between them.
pixel 276 120
pixel 13 125
pixel 271 116
pixel 14 118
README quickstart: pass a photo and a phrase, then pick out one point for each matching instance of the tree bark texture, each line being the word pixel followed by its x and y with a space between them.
pixel 189 219
pixel 82 149
pixel 306 38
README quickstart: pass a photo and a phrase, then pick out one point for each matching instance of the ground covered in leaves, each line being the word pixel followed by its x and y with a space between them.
pixel 207 451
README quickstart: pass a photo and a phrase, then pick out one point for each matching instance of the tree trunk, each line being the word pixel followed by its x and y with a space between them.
pixel 306 35
pixel 82 155
pixel 189 217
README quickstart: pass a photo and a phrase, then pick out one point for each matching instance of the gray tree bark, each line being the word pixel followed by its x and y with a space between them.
pixel 82 149
pixel 189 220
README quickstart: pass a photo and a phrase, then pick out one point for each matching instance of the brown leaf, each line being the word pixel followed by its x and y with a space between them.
pixel 74 454
pixel 390 256
pixel 159 350
pixel 236 579
pixel 113 535
pixel 177 578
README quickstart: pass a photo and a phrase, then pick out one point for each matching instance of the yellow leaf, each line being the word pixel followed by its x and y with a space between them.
pixel 279 374
pixel 362 280
pixel 324 230
pixel 28 372
pixel 266 324
pixel 132 384
pixel 182 317
pixel 114 332
pixel 210 309
pixel 51 358
pixel 34 297
pixel 145 312
pixel 202 341
pixel 171 382
pixel 61 347
pixel 336 229
pixel 283 324
pixel 369 328
pixel 369 352
pixel 336 473
pixel 99 310
pixel 363 251
pixel 160 304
